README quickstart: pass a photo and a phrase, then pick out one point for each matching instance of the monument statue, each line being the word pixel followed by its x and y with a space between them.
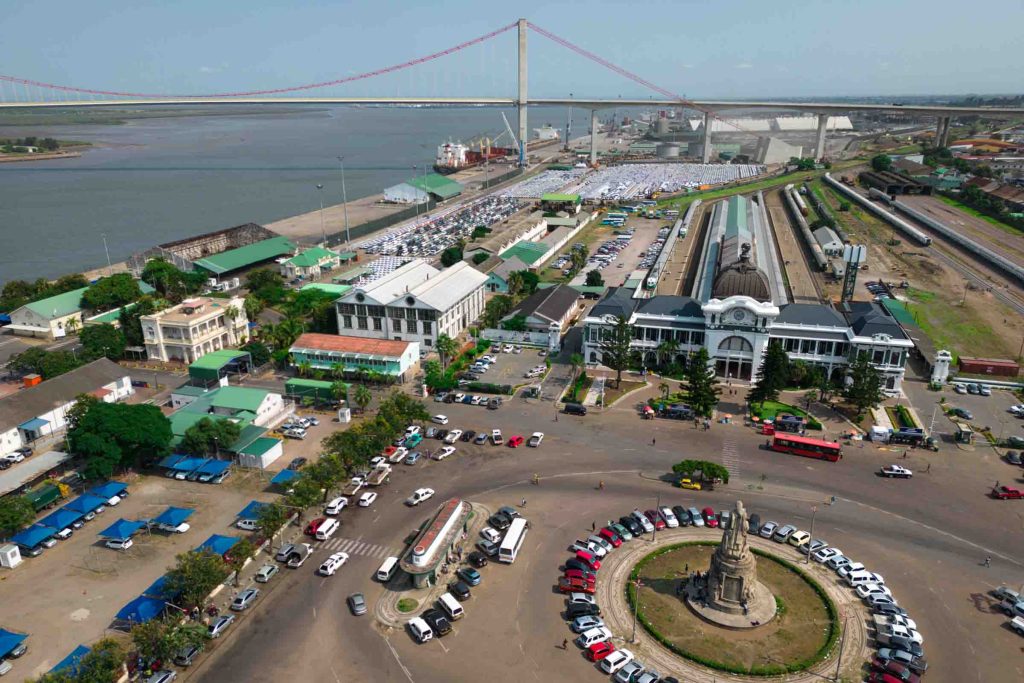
pixel 737 531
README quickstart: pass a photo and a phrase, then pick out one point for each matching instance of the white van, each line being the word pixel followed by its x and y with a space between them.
pixel 327 529
pixel 420 630
pixel 335 506
pixel 387 570
pixel 451 606
pixel 860 578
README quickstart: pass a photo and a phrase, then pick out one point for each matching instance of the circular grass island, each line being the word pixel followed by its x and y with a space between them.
pixel 803 632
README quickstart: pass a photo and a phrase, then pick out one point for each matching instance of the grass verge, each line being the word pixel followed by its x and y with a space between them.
pixel 406 605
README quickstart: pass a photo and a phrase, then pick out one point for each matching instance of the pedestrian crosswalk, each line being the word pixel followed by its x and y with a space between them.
pixel 731 457
pixel 354 546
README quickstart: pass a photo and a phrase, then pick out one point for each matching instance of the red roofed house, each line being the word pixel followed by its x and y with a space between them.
pixel 325 351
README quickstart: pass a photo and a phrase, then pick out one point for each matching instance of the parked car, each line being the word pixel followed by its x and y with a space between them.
pixel 439 419
pixel 444 452
pixel 782 534
pixel 244 599
pixel 469 575
pixel 356 603
pixel 481 438
pixel 709 517
pixel 418 496
pixel 477 559
pixel 496 437
pixel 265 573
pixel 366 500
pixel 119 543
pixel 515 441
pixel 437 621
pixel 616 660
pixel 488 548
pixel 220 624
pixel 187 655
pixel 536 439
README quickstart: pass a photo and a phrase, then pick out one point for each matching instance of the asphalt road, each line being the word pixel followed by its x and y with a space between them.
pixel 928 536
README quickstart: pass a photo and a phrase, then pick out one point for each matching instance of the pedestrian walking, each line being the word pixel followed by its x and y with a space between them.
pixel 654 441
pixel 928 469
pixel 988 561
pixel 565 643
pixel 593 526
pixel 523 504
pixel 686 569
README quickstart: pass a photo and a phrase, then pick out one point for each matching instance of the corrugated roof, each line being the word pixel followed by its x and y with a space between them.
pixel 556 197
pixel 233 259
pixel 327 287
pixel 239 398
pixel 26 404
pixel 449 286
pixel 58 306
pixel 215 360
pixel 527 252
pixel 312 341
pixel 811 314
pixel 507 267
pixel 259 446
pixel 547 304
pixel 311 257
pixel 310 383
pixel 435 183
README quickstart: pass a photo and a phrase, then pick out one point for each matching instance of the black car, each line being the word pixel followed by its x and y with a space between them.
pixel 755 523
pixel 573 563
pixel 25 451
pixel 582 609
pixel 907 645
pixel 499 521
pixel 459 589
pixel 890 610
pixel 575 409
pixel 467 435
pixel 681 514
pixel 297 463
pixel 477 559
pixel 441 433
pixel 508 511
pixel 630 523
pixel 437 621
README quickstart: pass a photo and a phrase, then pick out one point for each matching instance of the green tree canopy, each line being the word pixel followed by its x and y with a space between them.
pixel 881 162
pixel 497 308
pixel 16 513
pixel 594 279
pixel 17 293
pixel 451 256
pixel 194 575
pixel 83 404
pixel 701 386
pixel 172 283
pixel 209 435
pixel 103 340
pixel 362 396
pixel 113 435
pixel 707 470
pixel 271 518
pixel 131 325
pixel 446 349
pixel 865 387
pixel 111 292
pixel 516 323
pixel 266 285
pixel 259 352
pixel 49 364
pixel 164 638
pixel 616 348
pixel 773 375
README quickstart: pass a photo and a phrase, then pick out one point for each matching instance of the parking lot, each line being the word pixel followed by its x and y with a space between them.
pixel 511 368
pixel 70 593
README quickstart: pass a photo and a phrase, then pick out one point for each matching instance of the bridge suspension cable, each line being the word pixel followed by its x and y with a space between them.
pixel 24 82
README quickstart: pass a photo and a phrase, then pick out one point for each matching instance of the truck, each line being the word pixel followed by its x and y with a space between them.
pixel 351 489
pixel 379 475
pixel 300 553
pixel 44 497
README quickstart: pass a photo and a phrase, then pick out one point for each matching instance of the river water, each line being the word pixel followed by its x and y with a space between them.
pixel 151 181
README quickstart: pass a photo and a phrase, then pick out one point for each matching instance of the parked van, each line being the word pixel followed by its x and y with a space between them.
pixel 420 631
pixel 575 409
pixel 860 578
pixel 327 529
pixel 451 606
pixel 387 570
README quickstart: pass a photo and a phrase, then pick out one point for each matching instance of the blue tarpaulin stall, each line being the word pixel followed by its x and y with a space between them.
pixel 85 503
pixel 170 460
pixel 284 476
pixel 215 467
pixel 252 510
pixel 141 609
pixel 109 490
pixel 33 535
pixel 61 519
pixel 9 640
pixel 159 590
pixel 71 663
pixel 173 516
pixel 218 544
pixel 188 464
pixel 121 529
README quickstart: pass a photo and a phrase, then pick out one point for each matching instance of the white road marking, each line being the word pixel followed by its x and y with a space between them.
pixel 394 653
pixel 442 646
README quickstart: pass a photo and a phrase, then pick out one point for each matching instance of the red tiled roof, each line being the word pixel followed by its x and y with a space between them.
pixel 343 344
pixel 430 535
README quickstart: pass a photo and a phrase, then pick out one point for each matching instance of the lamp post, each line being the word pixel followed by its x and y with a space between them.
pixel 323 230
pixel 807 560
pixel 106 251
pixel 636 605
pixel 416 172
pixel 344 199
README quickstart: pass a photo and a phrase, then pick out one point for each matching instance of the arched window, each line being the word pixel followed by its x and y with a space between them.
pixel 593 356
pixel 735 343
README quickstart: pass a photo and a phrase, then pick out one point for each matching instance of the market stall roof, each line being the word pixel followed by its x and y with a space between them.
pixel 9 640
pixel 141 609
pixel 71 663
pixel 284 476
pixel 85 503
pixel 61 519
pixel 218 544
pixel 252 510
pixel 173 516
pixel 33 425
pixel 33 535
pixel 214 466
pixel 121 529
pixel 109 489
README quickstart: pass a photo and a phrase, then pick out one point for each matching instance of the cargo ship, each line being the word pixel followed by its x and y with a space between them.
pixel 455 156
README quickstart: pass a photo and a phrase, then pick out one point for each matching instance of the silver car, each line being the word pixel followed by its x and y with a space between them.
pixel 244 599
pixel 221 624
pixel 266 572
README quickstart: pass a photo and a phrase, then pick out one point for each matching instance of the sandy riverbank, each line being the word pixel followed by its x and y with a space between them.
pixel 41 156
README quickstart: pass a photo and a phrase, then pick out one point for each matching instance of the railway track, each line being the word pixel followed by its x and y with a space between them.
pixel 1012 300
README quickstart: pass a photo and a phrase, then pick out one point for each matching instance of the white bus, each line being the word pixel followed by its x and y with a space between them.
pixel 513 540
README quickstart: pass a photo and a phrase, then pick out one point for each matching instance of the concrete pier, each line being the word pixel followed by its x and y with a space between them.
pixel 819 147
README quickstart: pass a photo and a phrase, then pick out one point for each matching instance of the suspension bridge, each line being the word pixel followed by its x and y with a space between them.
pixel 23 93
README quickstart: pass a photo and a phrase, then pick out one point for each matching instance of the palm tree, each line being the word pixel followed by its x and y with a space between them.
pixel 305 368
pixel 664 388
pixel 446 349
pixel 338 371
pixel 667 349
pixel 362 397
pixel 576 361
pixel 231 312
pixel 253 305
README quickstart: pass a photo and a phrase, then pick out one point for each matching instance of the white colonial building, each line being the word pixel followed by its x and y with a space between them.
pixel 193 328
pixel 415 303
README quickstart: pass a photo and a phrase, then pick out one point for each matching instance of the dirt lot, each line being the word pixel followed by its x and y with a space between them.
pixel 70 593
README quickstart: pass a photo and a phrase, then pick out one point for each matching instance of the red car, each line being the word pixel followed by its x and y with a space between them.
pixel 610 536
pixel 312 527
pixel 589 577
pixel 599 651
pixel 515 441
pixel 389 451
pixel 709 517
pixel 878 677
pixel 567 585
pixel 1006 493
pixel 655 519
pixel 588 559
pixel 900 672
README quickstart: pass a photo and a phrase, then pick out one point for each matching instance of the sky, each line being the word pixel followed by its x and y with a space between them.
pixel 695 49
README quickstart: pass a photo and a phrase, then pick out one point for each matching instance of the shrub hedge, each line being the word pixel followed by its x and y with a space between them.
pixel 757 670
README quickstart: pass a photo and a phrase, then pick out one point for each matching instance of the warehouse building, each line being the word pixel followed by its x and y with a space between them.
pixel 309 264
pixel 829 241
pixel 420 189
pixel 234 261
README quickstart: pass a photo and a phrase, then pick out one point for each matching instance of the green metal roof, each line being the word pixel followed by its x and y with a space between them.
pixel 528 252
pixel 353 274
pixel 189 390
pixel 208 366
pixel 233 259
pixel 736 222
pixel 259 446
pixel 435 183
pixel 347 255
pixel 58 306
pixel 582 289
pixel 301 382
pixel 898 310
pixel 311 257
pixel 181 420
pixel 330 288
pixel 556 197
pixel 239 398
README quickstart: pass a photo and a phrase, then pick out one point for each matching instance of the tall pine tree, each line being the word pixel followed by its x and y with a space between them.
pixel 865 387
pixel 772 376
pixel 616 348
pixel 701 386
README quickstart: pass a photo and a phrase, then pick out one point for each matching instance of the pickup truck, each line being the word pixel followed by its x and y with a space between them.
pixel 378 475
pixel 1007 493
pixel 1017 624
pixel 299 554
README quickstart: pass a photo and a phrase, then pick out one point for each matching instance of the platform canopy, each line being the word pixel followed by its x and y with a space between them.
pixel 9 640
pixel 141 609
pixel 159 590
pixel 214 466
pixel 218 544
pixel 109 489
pixel 252 510
pixel 188 464
pixel 121 529
pixel 173 516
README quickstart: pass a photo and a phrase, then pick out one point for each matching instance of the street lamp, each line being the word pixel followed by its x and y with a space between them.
pixel 323 231
pixel 344 199
pixel 416 199
pixel 807 560
pixel 636 605
pixel 106 251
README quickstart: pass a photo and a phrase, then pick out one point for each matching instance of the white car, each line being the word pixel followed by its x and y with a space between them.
pixel 1018 410
pixel 850 568
pixel 866 589
pixel 332 564
pixel 64 534
pixel 411 429
pixel 601 543
pixel 895 471
pixel 837 562
pixel 439 419
pixel 336 505
pixel 247 524
pixel 118 544
pixel 535 440
pixel 668 516
pixel 399 455
pixel 357 480
pixel 496 437
pixel 377 460
pixel 507 348
pixel 13 457
pixel 616 661
pixel 114 500
pixel 594 635
pixel 767 529
pixel 444 452
pixel 180 529
pixel 366 500
pixel 826 554
pixel 418 496
pixel 492 535
pixel 453 436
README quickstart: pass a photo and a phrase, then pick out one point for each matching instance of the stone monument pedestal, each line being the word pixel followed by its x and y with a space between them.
pixel 760 609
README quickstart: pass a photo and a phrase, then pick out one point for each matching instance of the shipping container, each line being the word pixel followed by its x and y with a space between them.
pixel 989 366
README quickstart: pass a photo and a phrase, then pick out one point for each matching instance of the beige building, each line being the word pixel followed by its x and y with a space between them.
pixel 194 328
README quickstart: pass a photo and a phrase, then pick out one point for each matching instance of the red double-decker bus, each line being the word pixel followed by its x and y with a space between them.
pixel 809 448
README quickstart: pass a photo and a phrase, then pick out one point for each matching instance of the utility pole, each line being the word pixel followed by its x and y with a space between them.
pixel 842 644
pixel 106 251
pixel 323 230
pixel 344 199
pixel 636 605
pixel 807 560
